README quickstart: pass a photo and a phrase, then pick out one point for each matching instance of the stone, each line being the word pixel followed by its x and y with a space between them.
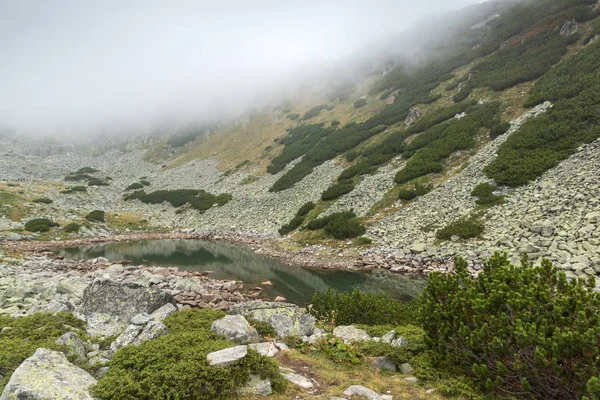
pixel 351 334
pixel 267 349
pixel 361 391
pixel 406 369
pixel 102 372
pixel 569 28
pixel 140 319
pixel 257 387
pixel 48 375
pixel 236 328
pixel 318 333
pixel 122 300
pixel 384 363
pixel 285 318
pixel 228 356
pixel 389 337
pixel 163 312
pixel 400 342
pixel 56 306
pixel 137 334
pixel 298 380
pixel 127 337
pixel 75 346
pixel 418 248
pixel 104 325
pixel 280 299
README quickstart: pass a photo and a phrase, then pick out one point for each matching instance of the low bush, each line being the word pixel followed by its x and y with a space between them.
pixel 263 328
pixel 464 228
pixel 95 216
pixel 415 337
pixel 293 116
pixel 290 226
pixel 74 189
pixel 197 199
pixel 335 349
pixel 362 241
pixel 337 190
pixel 498 129
pixel 342 225
pixel 305 209
pixel 313 112
pixel 28 334
pixel 359 103
pixel 40 225
pixel 461 95
pixel 86 170
pixel 335 122
pixel 72 227
pixel 485 194
pixel 134 186
pixel 97 182
pixel 43 200
pixel 411 194
pixel 519 331
pixel 175 367
pixel 145 183
pixel 358 307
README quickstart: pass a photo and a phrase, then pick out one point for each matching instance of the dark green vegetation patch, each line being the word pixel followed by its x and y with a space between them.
pixel 341 225
pixel 197 199
pixel 43 200
pixel 465 228
pixel 95 216
pixel 175 367
pixel 40 225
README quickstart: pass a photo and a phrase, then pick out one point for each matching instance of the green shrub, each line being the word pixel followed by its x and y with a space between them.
pixel 95 216
pixel 335 122
pixel 313 112
pixel 305 209
pixel 359 307
pixel 362 241
pixel 197 199
pixel 86 170
pixel 43 200
pixel 28 334
pixel 335 349
pixel 461 95
pixel 498 129
pixel 72 227
pixel 78 177
pixel 145 183
pixel 464 228
pixel 290 226
pixel 485 195
pixel 438 116
pixel 337 190
pixel 97 182
pixel 74 189
pixel 40 225
pixel 134 186
pixel 359 103
pixel 414 336
pixel 264 328
pixel 520 331
pixel 175 367
pixel 411 194
pixel 293 116
pixel 342 225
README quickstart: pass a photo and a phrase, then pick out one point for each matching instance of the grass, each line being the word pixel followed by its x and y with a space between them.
pixel 334 378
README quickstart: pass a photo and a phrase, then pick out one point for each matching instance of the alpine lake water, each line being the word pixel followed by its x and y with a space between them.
pixel 234 262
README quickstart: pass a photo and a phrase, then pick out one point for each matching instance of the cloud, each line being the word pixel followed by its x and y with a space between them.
pixel 78 66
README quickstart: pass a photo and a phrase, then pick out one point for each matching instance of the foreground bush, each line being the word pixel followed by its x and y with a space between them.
pixel 342 225
pixel 72 227
pixel 95 216
pixel 360 307
pixel 28 334
pixel 174 366
pixel 520 331
pixel 40 225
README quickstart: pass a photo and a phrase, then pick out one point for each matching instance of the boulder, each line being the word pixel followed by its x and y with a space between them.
pixel 48 375
pixel 361 391
pixel 75 346
pixel 236 328
pixel 257 387
pixel 384 363
pixel 286 318
pixel 105 297
pixel 298 380
pixel 163 312
pixel 137 334
pixel 351 334
pixel 267 349
pixel 227 356
pixel 406 368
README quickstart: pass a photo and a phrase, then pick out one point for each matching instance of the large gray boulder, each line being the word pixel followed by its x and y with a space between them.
pixel 137 334
pixel 236 328
pixel 351 334
pixel 227 356
pixel 75 346
pixel 108 306
pixel 286 318
pixel 48 375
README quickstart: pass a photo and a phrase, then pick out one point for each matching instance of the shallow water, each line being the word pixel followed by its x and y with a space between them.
pixel 229 261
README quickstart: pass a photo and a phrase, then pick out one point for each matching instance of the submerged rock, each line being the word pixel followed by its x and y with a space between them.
pixel 286 318
pixel 48 375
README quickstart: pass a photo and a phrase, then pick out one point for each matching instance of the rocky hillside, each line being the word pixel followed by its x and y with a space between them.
pixel 509 108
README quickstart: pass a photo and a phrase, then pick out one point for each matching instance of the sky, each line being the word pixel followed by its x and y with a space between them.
pixel 80 66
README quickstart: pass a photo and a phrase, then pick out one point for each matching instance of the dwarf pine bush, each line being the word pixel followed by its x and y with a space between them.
pixel 521 331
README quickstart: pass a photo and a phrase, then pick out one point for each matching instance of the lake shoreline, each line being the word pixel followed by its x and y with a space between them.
pixel 318 257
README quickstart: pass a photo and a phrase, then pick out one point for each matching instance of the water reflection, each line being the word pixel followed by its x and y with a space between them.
pixel 229 261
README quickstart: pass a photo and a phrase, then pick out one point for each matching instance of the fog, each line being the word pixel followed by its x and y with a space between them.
pixel 80 67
